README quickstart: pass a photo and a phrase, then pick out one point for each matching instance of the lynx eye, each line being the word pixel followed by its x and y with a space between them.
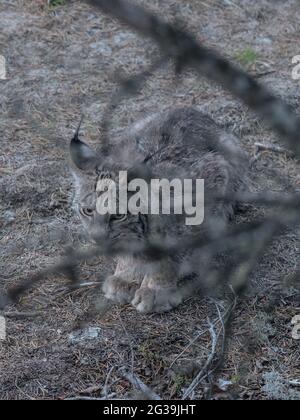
pixel 87 211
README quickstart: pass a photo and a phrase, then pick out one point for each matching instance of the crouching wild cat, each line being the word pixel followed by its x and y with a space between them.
pixel 174 144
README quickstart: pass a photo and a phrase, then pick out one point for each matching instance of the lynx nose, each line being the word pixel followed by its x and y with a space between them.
pixel 99 230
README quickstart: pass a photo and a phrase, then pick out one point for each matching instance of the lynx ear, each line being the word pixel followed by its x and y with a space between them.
pixel 81 154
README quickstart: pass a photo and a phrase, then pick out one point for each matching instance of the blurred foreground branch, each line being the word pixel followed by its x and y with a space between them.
pixel 186 51
pixel 249 239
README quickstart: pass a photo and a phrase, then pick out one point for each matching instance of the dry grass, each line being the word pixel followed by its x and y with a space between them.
pixel 61 64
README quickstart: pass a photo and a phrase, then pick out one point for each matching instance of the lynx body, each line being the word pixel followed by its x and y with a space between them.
pixel 177 143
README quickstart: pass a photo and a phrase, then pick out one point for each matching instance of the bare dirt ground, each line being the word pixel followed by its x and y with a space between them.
pixel 63 62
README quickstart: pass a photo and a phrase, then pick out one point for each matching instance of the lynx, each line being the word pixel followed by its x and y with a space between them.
pixel 176 143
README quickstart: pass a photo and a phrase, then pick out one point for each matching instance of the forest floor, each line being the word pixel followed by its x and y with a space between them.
pixel 64 61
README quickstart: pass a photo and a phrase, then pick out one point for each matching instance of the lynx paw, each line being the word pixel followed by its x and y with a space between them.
pixel 148 300
pixel 117 289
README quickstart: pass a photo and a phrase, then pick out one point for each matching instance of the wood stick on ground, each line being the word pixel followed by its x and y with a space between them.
pixel 203 372
pixel 109 397
pixel 139 385
pixel 295 383
pixel 21 315
pixel 260 147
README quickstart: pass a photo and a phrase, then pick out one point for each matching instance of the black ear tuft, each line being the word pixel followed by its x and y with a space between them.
pixel 81 154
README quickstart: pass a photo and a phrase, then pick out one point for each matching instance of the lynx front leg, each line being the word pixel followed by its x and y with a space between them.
pixel 121 287
pixel 159 291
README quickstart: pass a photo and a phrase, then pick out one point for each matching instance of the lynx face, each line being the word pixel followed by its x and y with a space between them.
pixel 90 174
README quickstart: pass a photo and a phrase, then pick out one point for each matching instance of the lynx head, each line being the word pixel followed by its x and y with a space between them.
pixel 93 175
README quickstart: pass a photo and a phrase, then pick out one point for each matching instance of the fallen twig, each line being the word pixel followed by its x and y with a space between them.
pixel 260 147
pixel 139 385
pixel 201 375
pixel 182 46
pixel 21 315
pixel 295 383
